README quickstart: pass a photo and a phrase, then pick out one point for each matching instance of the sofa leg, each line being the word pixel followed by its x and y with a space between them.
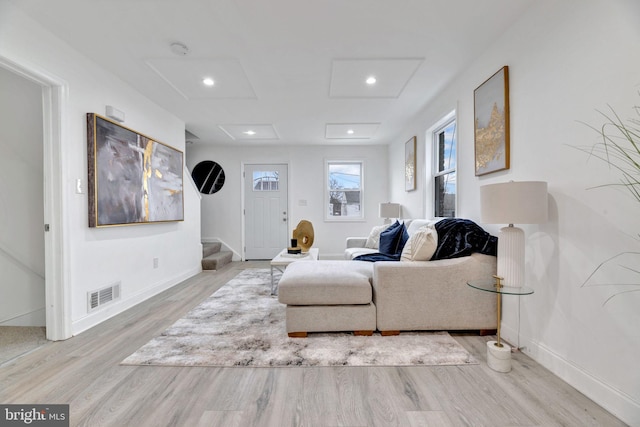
pixel 484 332
pixel 389 333
pixel 297 334
pixel 363 333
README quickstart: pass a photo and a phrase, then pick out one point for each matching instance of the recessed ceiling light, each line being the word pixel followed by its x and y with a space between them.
pixel 350 131
pixel 371 80
pixel 208 81
pixel 249 132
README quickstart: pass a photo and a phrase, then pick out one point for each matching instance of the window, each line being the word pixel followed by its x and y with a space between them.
pixel 444 142
pixel 343 194
pixel 265 180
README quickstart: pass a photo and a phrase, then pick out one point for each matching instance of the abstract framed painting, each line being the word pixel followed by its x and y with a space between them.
pixel 491 116
pixel 132 179
pixel 410 164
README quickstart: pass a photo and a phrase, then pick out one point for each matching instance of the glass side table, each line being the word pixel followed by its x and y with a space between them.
pixel 498 354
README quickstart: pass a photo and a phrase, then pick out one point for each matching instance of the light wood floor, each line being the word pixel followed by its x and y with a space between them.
pixel 84 372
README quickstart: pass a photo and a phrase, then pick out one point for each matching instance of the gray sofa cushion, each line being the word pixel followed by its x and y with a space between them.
pixel 326 283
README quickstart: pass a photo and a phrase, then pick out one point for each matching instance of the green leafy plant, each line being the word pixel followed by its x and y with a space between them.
pixel 620 149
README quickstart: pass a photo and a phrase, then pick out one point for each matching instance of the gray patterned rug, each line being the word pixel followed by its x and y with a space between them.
pixel 242 324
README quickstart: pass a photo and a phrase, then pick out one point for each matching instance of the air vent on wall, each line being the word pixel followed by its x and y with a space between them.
pixel 103 296
pixel 190 137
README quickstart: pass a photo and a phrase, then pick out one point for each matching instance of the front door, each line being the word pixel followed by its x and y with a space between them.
pixel 266 211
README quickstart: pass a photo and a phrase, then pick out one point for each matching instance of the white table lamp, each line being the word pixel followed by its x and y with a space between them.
pixel 523 202
pixel 389 210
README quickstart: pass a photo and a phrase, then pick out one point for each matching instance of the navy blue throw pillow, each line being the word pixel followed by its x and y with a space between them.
pixel 393 239
pixel 386 245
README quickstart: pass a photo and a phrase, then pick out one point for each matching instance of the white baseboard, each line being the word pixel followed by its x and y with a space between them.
pixel 109 311
pixel 613 400
pixel 33 318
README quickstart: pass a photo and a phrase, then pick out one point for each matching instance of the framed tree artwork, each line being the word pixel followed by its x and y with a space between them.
pixel 491 116
pixel 410 164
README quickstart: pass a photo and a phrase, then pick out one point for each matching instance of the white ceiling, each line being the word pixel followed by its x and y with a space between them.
pixel 290 70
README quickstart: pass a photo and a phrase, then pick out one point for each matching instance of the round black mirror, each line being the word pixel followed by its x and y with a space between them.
pixel 208 176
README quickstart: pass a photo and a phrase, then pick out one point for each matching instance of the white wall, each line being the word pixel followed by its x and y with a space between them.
pixel 222 214
pixel 566 60
pixel 21 202
pixel 100 257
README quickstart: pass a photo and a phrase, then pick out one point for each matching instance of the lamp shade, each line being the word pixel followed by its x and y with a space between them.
pixel 523 202
pixel 389 210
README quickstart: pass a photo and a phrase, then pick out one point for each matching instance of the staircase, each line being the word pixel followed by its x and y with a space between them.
pixel 212 257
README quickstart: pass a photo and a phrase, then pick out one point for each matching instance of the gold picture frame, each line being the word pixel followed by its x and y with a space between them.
pixel 491 123
pixel 410 164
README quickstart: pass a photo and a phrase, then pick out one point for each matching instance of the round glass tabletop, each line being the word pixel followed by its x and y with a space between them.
pixel 490 286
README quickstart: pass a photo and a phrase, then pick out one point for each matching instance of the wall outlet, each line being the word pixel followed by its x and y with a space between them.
pixel 155 263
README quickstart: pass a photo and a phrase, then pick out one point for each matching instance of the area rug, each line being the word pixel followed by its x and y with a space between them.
pixel 242 324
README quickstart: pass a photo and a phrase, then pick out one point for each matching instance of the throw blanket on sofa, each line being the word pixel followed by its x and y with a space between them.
pixel 377 257
pixel 456 238
pixel 462 237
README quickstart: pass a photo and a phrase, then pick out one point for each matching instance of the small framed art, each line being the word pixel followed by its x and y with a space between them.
pixel 410 164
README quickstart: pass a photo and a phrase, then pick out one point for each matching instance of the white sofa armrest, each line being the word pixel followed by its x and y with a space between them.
pixel 355 247
pixel 356 242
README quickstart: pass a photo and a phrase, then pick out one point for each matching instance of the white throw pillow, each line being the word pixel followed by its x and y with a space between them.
pixel 373 241
pixel 421 245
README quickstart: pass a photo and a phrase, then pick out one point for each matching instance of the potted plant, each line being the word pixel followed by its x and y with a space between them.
pixel 620 149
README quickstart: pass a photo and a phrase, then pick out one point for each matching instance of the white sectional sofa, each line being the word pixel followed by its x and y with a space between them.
pixel 405 295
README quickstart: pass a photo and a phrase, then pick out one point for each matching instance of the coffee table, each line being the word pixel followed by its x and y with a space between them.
pixel 283 259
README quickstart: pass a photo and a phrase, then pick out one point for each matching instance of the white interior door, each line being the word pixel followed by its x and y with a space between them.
pixel 266 210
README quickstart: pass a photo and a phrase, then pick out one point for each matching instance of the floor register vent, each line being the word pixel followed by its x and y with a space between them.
pixel 103 296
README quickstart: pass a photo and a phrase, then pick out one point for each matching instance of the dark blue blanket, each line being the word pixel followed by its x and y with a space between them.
pixel 462 237
pixel 377 257
pixel 456 238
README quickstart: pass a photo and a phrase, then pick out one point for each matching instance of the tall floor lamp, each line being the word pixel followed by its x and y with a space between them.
pixel 511 203
pixel 523 202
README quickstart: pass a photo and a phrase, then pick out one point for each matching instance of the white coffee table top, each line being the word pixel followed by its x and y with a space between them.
pixel 284 258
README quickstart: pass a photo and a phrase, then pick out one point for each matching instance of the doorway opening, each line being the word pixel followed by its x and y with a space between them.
pixel 56 307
